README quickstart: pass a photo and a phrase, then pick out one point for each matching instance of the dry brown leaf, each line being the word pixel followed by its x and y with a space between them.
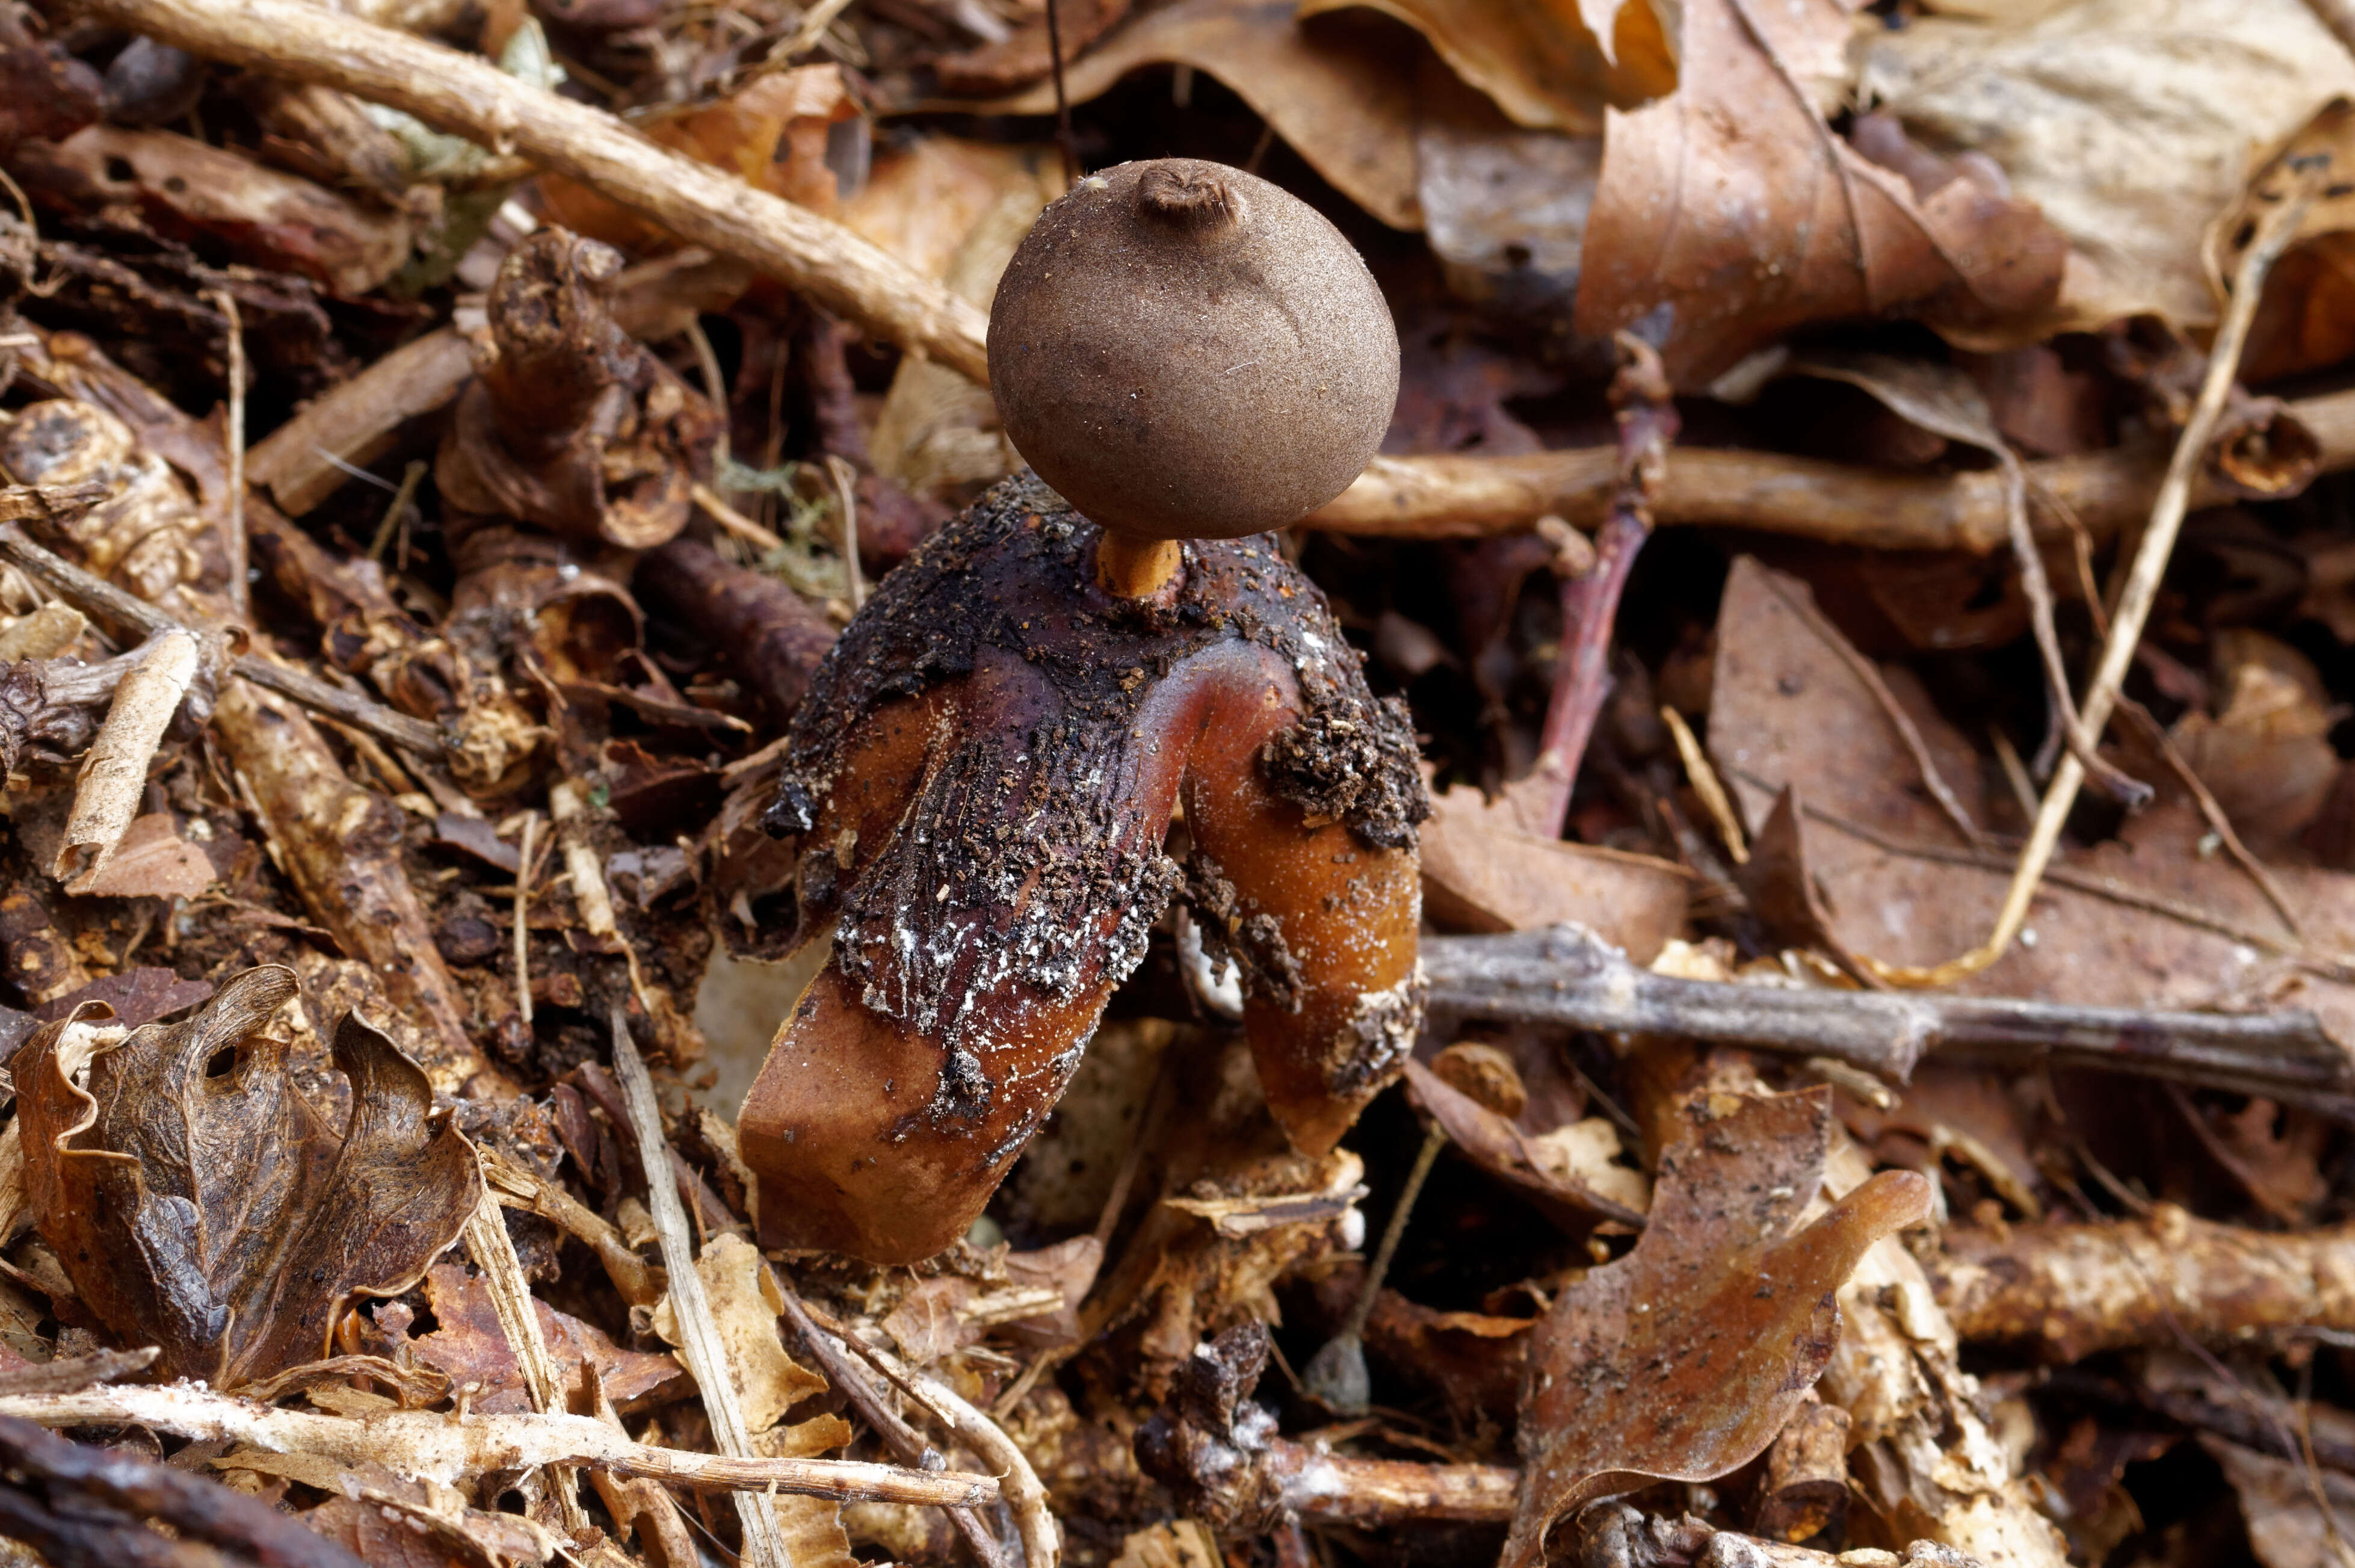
pixel 469 1345
pixel 192 191
pixel 1574 1196
pixel 743 1305
pixel 1482 871
pixel 774 134
pixel 811 1527
pixel 1028 54
pixel 1338 89
pixel 1504 209
pixel 2278 1499
pixel 926 1325
pixel 2266 754
pixel 2130 123
pixel 201 1204
pixel 1546 63
pixel 151 861
pixel 922 200
pixel 1732 209
pixel 1681 1361
pixel 937 433
pixel 1897 884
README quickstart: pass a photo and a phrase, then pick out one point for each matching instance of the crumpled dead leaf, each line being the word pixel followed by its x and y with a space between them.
pixel 745 1302
pixel 1733 207
pixel 1576 1193
pixel 1681 1361
pixel 937 433
pixel 151 861
pixel 744 1305
pixel 1549 64
pixel 2282 1504
pixel 2130 123
pixel 201 1204
pixel 2265 753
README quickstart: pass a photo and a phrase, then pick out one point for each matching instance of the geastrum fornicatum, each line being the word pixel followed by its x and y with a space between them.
pixel 984 776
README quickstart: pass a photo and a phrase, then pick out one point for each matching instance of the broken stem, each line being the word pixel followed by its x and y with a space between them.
pixel 522 910
pixel 904 1442
pixel 1589 602
pixel 1467 496
pixel 494 1252
pixel 102 601
pixel 113 779
pixel 1336 1373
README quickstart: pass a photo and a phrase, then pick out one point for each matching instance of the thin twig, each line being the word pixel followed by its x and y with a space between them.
pixel 845 490
pixel 1702 775
pixel 1062 97
pixel 1566 976
pixel 114 778
pixel 241 587
pixel 716 506
pixel 124 612
pixel 2151 555
pixel 1017 1481
pixel 1590 602
pixel 466 95
pixel 522 908
pixel 700 1342
pixel 430 1446
pixel 1470 496
pixel 905 1443
pixel 396 515
pixel 2212 812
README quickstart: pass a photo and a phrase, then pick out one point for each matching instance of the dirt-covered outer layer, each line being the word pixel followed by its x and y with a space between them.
pixel 996 577
pixel 982 777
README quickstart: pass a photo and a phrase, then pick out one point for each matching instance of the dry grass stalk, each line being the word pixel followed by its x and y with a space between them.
pixel 493 1251
pixel 706 1356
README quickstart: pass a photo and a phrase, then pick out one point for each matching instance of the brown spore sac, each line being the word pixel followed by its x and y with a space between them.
pixel 1188 351
pixel 981 780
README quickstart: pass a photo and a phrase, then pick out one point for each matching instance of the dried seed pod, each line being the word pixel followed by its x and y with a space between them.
pixel 981 779
pixel 1185 351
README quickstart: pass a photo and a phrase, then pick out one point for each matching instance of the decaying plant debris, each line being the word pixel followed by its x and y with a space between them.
pixel 1810 1027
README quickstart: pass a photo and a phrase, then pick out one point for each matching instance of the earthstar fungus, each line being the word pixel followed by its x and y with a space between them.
pixel 983 779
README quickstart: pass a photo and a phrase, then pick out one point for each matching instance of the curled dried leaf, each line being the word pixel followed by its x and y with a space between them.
pixel 1683 1359
pixel 1732 209
pixel 200 1203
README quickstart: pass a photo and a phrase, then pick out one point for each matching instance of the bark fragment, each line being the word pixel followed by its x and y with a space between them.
pixel 2069 1290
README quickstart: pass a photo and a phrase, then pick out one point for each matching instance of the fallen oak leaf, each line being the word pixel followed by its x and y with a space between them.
pixel 1681 1361
pixel 214 1213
